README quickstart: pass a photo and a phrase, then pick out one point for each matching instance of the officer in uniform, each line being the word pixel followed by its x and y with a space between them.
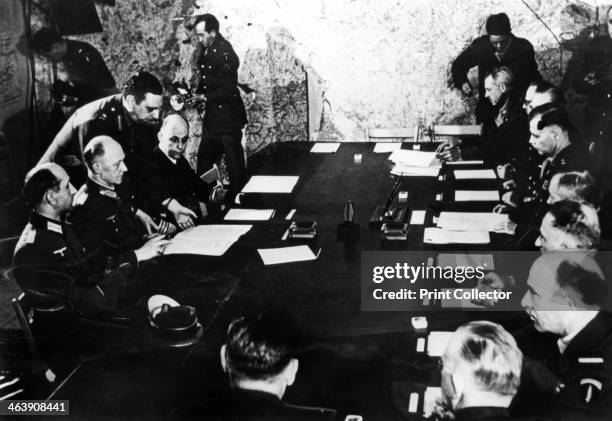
pixel 131 118
pixel 215 79
pixel 106 213
pixel 498 48
pixel 573 285
pixel 50 264
pixel 82 73
pixel 176 174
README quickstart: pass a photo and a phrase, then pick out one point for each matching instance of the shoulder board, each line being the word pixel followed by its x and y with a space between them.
pixel 108 193
pixel 28 236
pixel 81 196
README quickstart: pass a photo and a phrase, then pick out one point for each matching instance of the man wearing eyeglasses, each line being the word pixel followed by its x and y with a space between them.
pixel 180 181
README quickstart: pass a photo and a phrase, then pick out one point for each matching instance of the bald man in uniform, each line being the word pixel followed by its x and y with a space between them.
pixel 180 181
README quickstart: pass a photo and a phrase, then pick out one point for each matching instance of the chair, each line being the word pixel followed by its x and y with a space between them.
pixel 390 134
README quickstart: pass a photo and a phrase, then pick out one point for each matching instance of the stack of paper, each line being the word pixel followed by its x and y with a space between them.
pixel 286 255
pixel 241 214
pixel 470 221
pixel 437 343
pixel 208 240
pixel 413 158
pixel 431 395
pixel 271 184
pixel 487 174
pixel 442 236
pixel 415 163
pixel 325 147
pixel 476 196
pixel 386 147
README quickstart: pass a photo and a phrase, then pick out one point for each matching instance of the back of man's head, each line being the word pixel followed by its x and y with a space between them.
pixel 44 38
pixel 552 115
pixel 578 186
pixel 141 83
pixel 547 93
pixel 503 75
pixel 260 347
pixel 484 362
pixel 576 225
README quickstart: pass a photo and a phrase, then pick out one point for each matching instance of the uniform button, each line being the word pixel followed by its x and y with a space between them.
pixel 214 50
pixel 210 67
pixel 203 76
pixel 220 107
pixel 609 95
pixel 202 66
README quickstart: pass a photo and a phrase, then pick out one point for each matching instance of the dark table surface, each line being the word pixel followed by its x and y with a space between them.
pixel 356 358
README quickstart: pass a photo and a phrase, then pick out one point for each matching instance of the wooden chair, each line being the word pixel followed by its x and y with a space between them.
pixel 391 134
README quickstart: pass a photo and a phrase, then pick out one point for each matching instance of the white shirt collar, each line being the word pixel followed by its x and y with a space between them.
pixel 564 342
pixel 168 156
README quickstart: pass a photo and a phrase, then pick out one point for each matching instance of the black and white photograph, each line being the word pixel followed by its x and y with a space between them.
pixel 285 210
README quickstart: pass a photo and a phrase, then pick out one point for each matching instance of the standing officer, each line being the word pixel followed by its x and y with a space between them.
pixel 215 78
pixel 498 48
pixel 131 118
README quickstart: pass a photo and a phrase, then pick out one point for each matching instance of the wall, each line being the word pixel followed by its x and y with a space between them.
pixel 366 63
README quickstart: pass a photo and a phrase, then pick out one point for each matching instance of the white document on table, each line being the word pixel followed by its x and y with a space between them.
pixel 453 302
pixel 461 259
pixel 286 255
pixel 207 240
pixel 476 196
pixel 473 221
pixel 413 158
pixel 486 174
pixel 271 184
pixel 417 217
pixel 412 171
pixel 240 214
pixel 386 147
pixel 437 343
pixel 431 395
pixel 442 236
pixel 325 147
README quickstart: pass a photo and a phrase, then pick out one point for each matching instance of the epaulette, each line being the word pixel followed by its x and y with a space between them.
pixel 81 196
pixel 28 237
pixel 108 193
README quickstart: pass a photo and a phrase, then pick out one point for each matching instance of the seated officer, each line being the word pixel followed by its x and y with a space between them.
pixel 569 225
pixel 553 137
pixel 131 118
pixel 106 214
pixel 48 247
pixel 260 360
pixel 173 170
pixel 481 370
pixel 566 292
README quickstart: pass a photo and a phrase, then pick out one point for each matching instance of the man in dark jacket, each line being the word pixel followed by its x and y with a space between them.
pixel 498 48
pixel 177 176
pixel 215 79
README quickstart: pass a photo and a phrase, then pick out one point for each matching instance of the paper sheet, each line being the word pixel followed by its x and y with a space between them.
pixel 457 302
pixel 429 400
pixel 413 158
pixel 325 147
pixel 240 214
pixel 486 174
pixel 442 236
pixel 271 184
pixel 208 240
pixel 471 221
pixel 386 147
pixel 286 255
pixel 476 196
pixel 437 342
pixel 411 171
pixel 461 259
pixel 417 217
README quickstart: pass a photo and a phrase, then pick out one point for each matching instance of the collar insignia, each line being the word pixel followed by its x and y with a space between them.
pixel 52 226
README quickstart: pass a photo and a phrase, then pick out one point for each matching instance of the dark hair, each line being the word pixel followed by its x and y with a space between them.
pixel 498 24
pixel 140 84
pixel 569 218
pixel 591 286
pixel 261 346
pixel 552 115
pixel 90 154
pixel 43 40
pixel 541 85
pixel 37 184
pixel 210 22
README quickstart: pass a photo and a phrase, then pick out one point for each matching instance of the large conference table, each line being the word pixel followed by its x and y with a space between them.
pixel 355 359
